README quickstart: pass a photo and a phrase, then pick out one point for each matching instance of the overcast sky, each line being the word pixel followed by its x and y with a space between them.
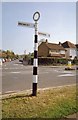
pixel 56 18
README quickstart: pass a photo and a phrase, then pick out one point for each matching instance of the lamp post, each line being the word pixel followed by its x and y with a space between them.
pixel 36 17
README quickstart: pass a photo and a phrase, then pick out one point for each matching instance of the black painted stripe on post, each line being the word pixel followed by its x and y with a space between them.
pixel 35 77
pixel 35 54
pixel 34 89
pixel 34 70
pixel 36 39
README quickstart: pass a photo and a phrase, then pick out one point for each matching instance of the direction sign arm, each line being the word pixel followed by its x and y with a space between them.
pixel 26 24
pixel 44 34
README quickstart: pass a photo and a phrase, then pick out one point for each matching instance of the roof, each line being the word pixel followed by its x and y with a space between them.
pixel 54 46
pixel 0 55
pixel 68 44
pixel 76 45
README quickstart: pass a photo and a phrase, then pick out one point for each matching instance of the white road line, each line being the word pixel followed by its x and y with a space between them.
pixel 66 72
pixel 15 64
pixel 15 72
pixel 66 75
pixel 9 92
pixel 12 68
pixel 19 72
pixel 6 68
pixel 63 71
pixel 44 72
pixel 4 65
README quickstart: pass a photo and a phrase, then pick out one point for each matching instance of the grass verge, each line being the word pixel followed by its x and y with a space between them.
pixel 52 103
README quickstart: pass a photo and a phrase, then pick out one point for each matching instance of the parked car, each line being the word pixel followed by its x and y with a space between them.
pixel 0 61
pixel 9 60
pixel 20 60
pixel 3 60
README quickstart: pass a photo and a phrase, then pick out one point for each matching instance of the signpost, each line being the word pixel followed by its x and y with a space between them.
pixel 26 24
pixel 36 17
pixel 32 25
pixel 44 34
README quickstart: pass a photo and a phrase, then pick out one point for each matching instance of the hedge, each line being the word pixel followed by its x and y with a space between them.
pixel 50 61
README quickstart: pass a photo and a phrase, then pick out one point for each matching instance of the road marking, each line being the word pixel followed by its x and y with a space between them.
pixel 15 72
pixel 63 71
pixel 66 75
pixel 6 68
pixel 13 68
pixel 43 72
pixel 4 65
pixel 15 64
pixel 66 71
pixel 9 92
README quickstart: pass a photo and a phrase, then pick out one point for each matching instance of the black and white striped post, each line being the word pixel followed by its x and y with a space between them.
pixel 36 17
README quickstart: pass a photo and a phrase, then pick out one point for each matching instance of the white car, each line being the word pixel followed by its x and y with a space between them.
pixel 0 61
pixel 3 60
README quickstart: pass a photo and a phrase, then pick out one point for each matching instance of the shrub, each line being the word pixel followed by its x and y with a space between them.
pixel 50 61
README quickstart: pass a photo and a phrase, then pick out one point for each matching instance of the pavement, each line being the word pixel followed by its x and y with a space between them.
pixel 75 115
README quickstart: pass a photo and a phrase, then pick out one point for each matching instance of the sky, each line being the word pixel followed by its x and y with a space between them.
pixel 39 0
pixel 56 18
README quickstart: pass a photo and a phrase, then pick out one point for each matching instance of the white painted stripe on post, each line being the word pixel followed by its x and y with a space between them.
pixel 36 46
pixel 35 78
pixel 36 31
pixel 35 63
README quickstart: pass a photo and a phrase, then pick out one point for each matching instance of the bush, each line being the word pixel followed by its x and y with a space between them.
pixel 50 61
pixel 75 61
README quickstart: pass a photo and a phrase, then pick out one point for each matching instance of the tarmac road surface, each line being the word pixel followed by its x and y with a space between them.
pixel 17 77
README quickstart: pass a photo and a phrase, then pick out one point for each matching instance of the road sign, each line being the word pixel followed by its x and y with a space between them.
pixel 36 16
pixel 44 34
pixel 26 24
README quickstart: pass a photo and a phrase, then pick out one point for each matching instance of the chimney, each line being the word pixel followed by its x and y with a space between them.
pixel 46 41
pixel 60 43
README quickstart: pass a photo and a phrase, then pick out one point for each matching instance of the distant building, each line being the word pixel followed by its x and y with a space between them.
pixel 0 54
pixel 77 50
pixel 70 49
pixel 46 49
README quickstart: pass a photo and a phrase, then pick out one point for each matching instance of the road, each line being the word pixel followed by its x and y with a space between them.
pixel 17 77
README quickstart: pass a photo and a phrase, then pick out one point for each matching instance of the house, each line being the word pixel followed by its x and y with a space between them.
pixel 77 50
pixel 46 49
pixel 70 50
pixel 0 54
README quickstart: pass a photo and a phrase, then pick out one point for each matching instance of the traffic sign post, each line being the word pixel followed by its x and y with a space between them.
pixel 36 17
pixel 26 24
pixel 44 34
